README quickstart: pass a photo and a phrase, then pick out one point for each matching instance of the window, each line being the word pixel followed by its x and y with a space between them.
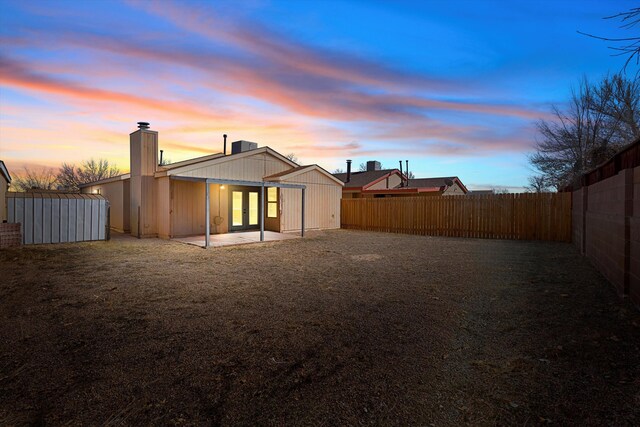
pixel 272 202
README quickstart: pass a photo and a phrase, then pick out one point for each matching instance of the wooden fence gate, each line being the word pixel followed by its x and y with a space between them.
pixel 526 216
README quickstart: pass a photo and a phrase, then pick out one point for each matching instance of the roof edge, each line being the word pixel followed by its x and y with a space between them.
pixel 122 177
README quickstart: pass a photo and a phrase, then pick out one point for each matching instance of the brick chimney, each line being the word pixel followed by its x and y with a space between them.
pixel 143 145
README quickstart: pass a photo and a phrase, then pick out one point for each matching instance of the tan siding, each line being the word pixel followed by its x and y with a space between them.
pixel 144 160
pixel 3 199
pixel 322 205
pixel 117 193
pixel 391 182
pixel 188 212
pixel 454 190
pixel 251 168
pixel 163 210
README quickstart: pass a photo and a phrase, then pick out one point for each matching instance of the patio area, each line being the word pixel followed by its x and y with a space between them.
pixel 238 238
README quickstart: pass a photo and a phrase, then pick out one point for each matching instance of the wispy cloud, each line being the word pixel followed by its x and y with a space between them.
pixel 204 75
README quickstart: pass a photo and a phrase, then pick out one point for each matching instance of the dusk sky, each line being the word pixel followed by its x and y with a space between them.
pixel 455 87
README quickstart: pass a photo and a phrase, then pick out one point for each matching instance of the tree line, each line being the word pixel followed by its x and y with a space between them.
pixel 599 119
pixel 68 177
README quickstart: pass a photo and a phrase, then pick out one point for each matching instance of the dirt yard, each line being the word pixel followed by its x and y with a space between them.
pixel 340 328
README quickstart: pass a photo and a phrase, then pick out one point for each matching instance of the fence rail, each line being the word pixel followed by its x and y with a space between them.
pixel 544 216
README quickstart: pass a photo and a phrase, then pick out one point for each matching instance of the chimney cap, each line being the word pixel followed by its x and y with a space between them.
pixel 143 125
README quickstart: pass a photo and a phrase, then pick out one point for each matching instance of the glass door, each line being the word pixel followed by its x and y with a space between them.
pixel 244 209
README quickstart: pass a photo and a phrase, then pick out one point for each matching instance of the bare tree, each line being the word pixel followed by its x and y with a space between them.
pixel 626 46
pixel 70 177
pixel 362 167
pixel 293 158
pixel 338 170
pixel 598 121
pixel 32 179
pixel 537 184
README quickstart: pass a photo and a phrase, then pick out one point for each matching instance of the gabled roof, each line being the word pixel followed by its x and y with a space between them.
pixel 190 161
pixel 122 177
pixel 365 179
pixel 439 182
pixel 280 176
pixel 5 172
pixel 217 159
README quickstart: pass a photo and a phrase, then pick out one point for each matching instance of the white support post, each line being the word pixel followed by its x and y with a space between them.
pixel 206 215
pixel 262 213
pixel 302 230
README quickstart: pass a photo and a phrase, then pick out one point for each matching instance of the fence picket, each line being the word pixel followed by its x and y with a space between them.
pixel 545 216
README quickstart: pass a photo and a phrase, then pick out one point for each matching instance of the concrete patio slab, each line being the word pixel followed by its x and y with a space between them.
pixel 231 239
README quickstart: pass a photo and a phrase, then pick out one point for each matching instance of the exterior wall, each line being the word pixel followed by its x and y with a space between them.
pixel 577 218
pixel 272 224
pixel 3 200
pixel 634 240
pixel 606 228
pixel 117 193
pixel 322 204
pixel 187 215
pixel 144 161
pixel 250 168
pixel 163 207
pixel 390 182
pixel 454 190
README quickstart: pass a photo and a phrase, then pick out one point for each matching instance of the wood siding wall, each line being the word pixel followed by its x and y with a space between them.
pixel 251 168
pixel 3 200
pixel 545 216
pixel 144 161
pixel 117 193
pixel 322 205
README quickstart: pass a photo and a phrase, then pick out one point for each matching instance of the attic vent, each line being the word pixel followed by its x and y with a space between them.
pixel 242 146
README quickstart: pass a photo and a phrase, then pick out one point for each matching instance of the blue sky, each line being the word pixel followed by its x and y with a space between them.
pixel 455 87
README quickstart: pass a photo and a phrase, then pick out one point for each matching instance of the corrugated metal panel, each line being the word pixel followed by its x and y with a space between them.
pixel 58 218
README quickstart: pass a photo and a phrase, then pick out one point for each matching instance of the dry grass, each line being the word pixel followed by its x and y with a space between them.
pixel 337 328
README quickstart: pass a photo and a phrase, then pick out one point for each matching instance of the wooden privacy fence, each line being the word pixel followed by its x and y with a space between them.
pixel 527 216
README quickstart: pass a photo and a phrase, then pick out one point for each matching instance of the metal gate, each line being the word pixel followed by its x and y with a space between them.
pixel 59 217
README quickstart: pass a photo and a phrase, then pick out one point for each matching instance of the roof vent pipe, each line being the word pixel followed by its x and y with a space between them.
pixel 401 176
pixel 225 144
pixel 406 171
pixel 161 151
pixel 348 171
pixel 143 125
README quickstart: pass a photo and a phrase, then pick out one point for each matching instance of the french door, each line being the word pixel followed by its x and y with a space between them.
pixel 244 208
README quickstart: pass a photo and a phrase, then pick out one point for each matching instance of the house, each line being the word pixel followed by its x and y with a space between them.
pixel 377 182
pixel 358 184
pixel 5 180
pixel 253 188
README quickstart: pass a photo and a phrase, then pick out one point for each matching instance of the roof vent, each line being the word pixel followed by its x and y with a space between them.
pixel 373 165
pixel 242 146
pixel 143 125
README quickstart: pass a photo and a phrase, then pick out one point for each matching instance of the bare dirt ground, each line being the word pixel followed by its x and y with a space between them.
pixel 340 328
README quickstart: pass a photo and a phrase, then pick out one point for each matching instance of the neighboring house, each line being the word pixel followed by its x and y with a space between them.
pixel 376 182
pixel 170 201
pixel 5 180
pixel 441 186
pixel 356 184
